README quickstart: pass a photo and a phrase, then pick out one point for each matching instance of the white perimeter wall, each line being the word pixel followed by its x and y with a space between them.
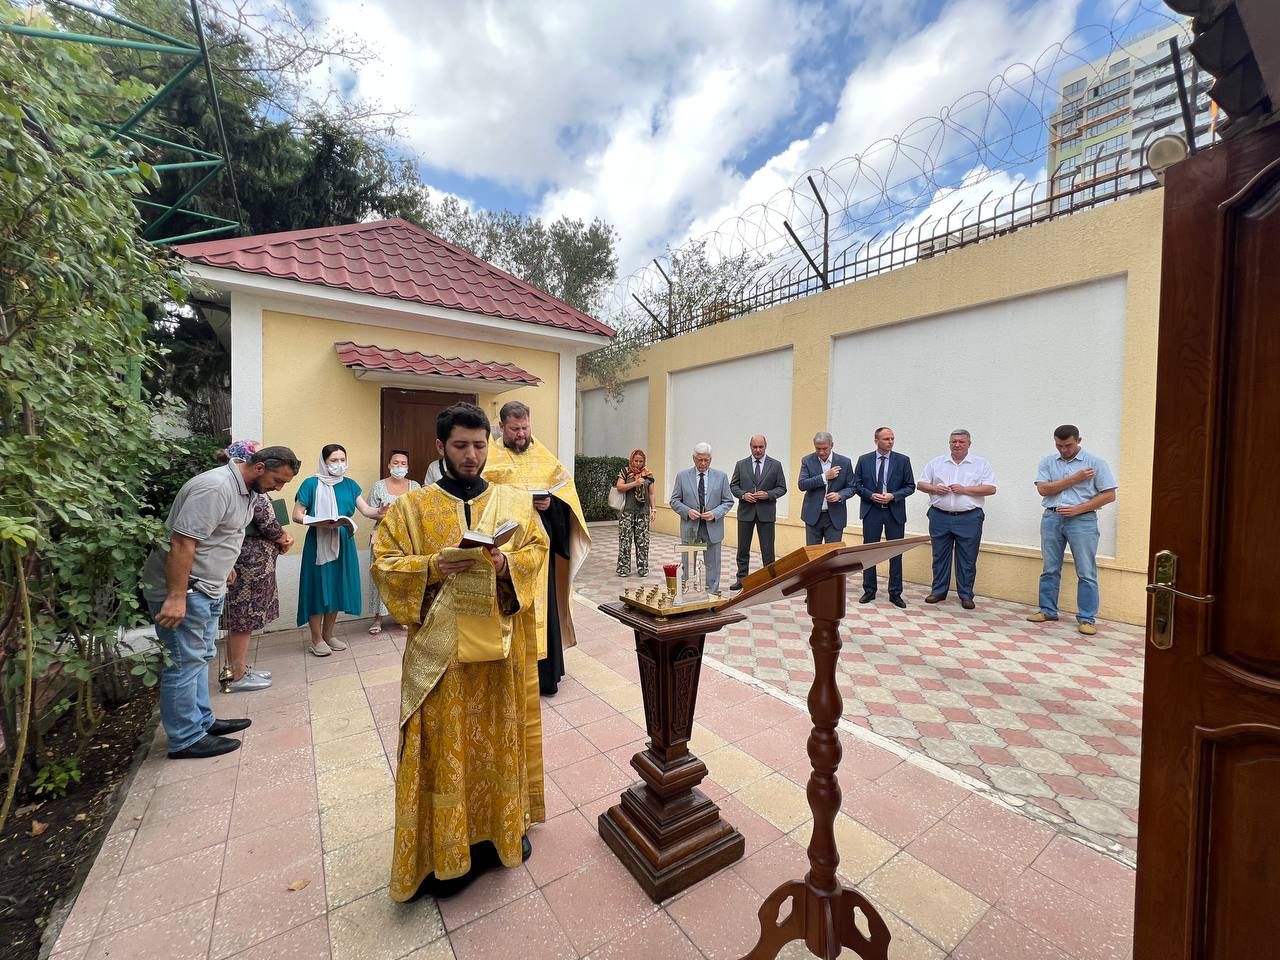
pixel 726 403
pixel 614 430
pixel 1009 372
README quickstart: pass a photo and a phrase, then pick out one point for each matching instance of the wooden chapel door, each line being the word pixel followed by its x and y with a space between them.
pixel 1208 885
pixel 409 423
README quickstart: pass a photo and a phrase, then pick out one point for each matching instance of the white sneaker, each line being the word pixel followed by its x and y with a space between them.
pixel 336 644
pixel 250 681
pixel 320 649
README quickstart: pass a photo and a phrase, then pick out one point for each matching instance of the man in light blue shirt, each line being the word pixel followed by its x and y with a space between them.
pixel 1074 486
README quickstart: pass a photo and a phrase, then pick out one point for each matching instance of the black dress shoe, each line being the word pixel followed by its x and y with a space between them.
pixel 968 604
pixel 220 728
pixel 526 848
pixel 204 748
pixel 867 597
pixel 736 585
pixel 935 598
pixel 897 601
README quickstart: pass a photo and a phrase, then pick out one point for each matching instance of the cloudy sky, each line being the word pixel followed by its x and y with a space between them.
pixel 669 119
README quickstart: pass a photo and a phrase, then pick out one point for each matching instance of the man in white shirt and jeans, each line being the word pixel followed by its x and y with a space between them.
pixel 958 485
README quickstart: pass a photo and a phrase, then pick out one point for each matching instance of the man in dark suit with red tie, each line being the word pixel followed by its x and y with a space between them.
pixel 883 480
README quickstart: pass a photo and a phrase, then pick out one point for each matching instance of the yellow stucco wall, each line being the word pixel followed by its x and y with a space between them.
pixel 1119 239
pixel 309 398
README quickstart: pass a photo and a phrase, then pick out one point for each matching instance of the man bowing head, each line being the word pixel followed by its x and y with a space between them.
pixel 469 780
pixel 521 461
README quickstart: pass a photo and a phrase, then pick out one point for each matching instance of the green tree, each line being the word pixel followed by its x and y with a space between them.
pixel 76 437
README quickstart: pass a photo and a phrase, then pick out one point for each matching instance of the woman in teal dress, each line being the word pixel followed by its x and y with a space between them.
pixel 329 581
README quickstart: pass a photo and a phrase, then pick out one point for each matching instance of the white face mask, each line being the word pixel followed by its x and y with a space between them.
pixel 399 472
pixel 337 469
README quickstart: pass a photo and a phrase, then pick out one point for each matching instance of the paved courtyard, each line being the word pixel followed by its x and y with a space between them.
pixel 281 850
pixel 1047 717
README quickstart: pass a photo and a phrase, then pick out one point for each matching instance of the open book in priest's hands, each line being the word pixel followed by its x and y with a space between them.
pixel 310 521
pixel 548 491
pixel 504 532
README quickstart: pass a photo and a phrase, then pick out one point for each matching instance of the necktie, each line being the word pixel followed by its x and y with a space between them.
pixel 880 476
pixel 757 473
pixel 702 492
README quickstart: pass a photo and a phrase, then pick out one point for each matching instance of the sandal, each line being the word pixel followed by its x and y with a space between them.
pixel 375 629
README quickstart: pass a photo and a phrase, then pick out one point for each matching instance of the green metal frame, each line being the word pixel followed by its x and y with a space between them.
pixel 196 56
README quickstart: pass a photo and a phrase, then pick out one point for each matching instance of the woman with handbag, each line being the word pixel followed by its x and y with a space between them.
pixel 632 497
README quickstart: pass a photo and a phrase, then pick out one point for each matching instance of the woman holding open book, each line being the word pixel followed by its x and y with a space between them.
pixel 329 581
pixel 383 495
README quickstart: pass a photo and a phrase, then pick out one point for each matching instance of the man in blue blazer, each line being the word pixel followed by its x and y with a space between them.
pixel 883 480
pixel 827 481
pixel 702 498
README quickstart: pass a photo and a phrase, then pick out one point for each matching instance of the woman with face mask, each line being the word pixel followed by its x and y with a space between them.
pixel 329 580
pixel 383 494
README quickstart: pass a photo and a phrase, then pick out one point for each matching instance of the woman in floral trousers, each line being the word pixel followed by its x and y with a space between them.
pixel 633 522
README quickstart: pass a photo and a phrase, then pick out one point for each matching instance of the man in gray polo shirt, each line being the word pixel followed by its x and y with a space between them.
pixel 185 586
pixel 1074 485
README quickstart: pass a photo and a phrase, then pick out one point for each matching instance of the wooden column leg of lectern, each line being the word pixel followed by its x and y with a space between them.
pixel 823 913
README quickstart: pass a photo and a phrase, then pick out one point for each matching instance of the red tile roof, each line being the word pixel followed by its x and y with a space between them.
pixel 396 259
pixel 399 361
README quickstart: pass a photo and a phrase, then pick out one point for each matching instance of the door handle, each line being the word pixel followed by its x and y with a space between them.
pixel 1164 592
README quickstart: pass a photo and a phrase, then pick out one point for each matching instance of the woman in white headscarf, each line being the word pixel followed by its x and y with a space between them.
pixel 329 580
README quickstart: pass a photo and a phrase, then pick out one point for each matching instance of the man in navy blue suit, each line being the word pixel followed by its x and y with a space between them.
pixel 827 481
pixel 883 481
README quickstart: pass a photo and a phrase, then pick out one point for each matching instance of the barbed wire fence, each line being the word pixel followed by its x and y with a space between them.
pixel 902 199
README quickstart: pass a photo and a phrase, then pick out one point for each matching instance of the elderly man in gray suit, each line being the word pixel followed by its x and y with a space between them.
pixel 702 498
pixel 758 482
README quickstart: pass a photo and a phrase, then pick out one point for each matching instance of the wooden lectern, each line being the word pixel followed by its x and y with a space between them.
pixel 822 913
pixel 667 832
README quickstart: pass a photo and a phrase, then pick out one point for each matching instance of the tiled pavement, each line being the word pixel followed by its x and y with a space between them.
pixel 1040 713
pixel 281 850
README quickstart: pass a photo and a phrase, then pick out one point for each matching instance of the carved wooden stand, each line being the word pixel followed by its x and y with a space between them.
pixel 665 830
pixel 823 913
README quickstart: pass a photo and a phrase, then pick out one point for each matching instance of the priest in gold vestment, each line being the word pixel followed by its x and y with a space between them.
pixel 522 462
pixel 469 778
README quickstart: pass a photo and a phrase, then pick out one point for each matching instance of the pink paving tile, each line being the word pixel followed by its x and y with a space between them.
pixel 252 810
pixel 892 815
pixel 250 856
pixel 271 742
pixel 555 800
pixel 495 889
pixel 773 747
pixel 997 937
pixel 307 942
pixel 1086 872
pixel 766 869
pixel 591 779
pixel 553 723
pixel 655 936
pixel 1017 837
pixel 865 759
pixel 383 693
pixel 161 889
pixel 1067 786
pixel 174 772
pixel 156 842
pixel 982 870
pixel 928 788
pixel 584 710
pixel 96 891
pixel 541 936
pixel 748 717
pixel 612 732
pixel 755 829
pixel 719 916
pixel 264 908
pixel 1086 764
pixel 178 799
pixel 563 844
pixel 562 749
pixel 569 691
pixel 1077 926
pixel 593 904
pixel 259 773
pixel 998 756
pixel 181 935
pixel 279 716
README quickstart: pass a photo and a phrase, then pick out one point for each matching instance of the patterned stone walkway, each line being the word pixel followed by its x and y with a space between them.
pixel 281 850
pixel 1039 713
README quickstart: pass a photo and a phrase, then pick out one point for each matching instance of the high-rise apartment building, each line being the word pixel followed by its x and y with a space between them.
pixel 1112 109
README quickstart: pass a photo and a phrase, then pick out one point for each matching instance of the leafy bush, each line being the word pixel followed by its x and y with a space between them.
pixel 186 456
pixel 76 436
pixel 593 477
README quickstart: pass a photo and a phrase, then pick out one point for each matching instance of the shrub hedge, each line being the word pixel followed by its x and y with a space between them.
pixel 593 477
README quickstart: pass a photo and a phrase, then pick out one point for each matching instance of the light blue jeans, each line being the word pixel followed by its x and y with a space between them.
pixel 1056 532
pixel 185 711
